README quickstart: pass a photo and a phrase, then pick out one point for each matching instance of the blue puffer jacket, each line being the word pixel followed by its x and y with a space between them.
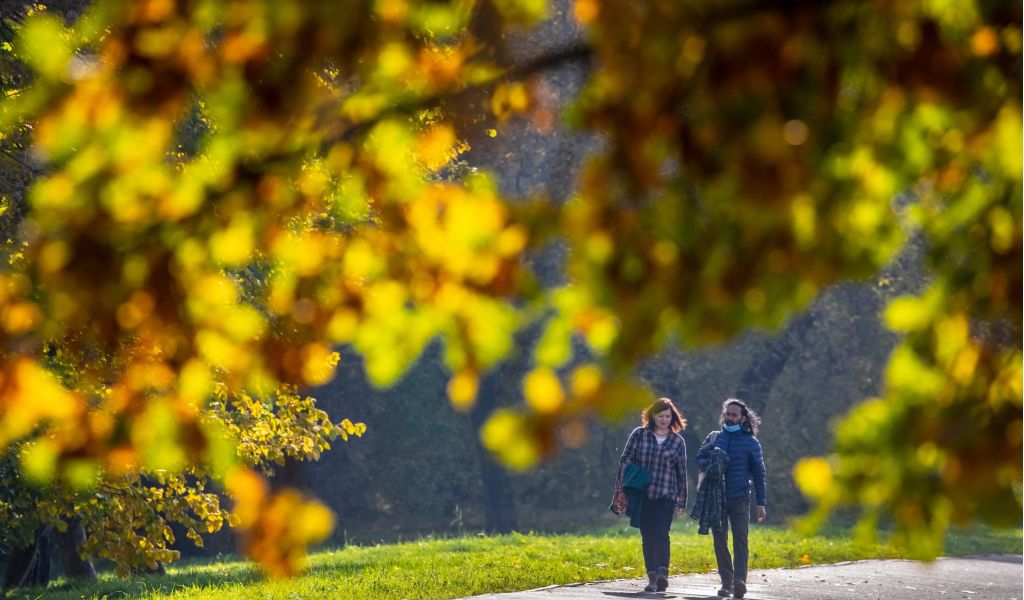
pixel 746 463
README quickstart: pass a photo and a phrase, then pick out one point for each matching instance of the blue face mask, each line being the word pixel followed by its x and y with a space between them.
pixel 732 428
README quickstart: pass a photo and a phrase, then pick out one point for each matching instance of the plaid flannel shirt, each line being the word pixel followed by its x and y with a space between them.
pixel 665 463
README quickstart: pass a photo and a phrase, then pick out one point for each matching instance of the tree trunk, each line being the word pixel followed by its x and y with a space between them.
pixel 30 566
pixel 68 543
pixel 499 501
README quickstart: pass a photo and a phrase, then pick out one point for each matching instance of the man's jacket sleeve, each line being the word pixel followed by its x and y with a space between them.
pixel 758 471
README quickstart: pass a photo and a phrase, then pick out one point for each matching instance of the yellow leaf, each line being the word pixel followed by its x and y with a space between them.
pixel 509 98
pixel 434 146
pixel 362 261
pixel 462 390
pixel 218 350
pixel 249 491
pixel 585 11
pixel 22 386
pixel 602 332
pixel 908 314
pixel 43 43
pixel 814 478
pixel 313 523
pixel 504 434
pixel 1008 141
pixel 305 254
pixel 393 60
pixel 318 364
pixel 804 219
pixel 82 474
pixel 554 349
pixel 242 323
pixel 907 372
pixel 543 391
pixel 985 42
pixel 342 326
pixel 234 245
pixel 155 434
pixel 39 460
pixel 500 429
pixel 221 453
pixel 586 380
pixel 19 317
pixel 195 381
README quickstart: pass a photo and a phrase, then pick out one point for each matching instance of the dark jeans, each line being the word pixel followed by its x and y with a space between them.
pixel 731 570
pixel 654 525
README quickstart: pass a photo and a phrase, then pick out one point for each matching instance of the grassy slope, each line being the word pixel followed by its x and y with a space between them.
pixel 452 568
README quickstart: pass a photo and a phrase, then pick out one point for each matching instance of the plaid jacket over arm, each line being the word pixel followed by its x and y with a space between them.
pixel 665 463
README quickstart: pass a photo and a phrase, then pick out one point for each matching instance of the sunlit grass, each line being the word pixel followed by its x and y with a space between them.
pixel 453 568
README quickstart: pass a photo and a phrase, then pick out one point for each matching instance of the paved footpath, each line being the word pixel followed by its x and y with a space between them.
pixel 975 578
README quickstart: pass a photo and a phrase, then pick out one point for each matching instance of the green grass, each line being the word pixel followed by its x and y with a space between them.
pixel 453 568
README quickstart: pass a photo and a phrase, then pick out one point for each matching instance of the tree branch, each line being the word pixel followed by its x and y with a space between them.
pixel 8 154
pixel 576 51
pixel 571 53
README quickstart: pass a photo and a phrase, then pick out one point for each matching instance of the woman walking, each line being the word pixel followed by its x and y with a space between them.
pixel 656 453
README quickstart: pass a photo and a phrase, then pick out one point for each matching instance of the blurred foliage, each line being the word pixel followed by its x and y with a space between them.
pixel 758 151
pixel 754 152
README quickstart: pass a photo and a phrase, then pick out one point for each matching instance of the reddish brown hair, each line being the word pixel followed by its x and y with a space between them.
pixel 660 405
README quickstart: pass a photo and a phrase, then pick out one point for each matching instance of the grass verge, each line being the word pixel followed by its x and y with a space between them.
pixel 454 568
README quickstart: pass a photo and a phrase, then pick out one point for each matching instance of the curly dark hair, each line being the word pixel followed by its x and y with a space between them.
pixel 660 405
pixel 751 421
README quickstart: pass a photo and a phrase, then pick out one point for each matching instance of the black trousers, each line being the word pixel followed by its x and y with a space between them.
pixel 733 568
pixel 654 525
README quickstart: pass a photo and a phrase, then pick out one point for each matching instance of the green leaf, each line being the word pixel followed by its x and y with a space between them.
pixel 44 45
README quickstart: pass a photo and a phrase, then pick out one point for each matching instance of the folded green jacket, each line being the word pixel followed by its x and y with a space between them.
pixel 634 484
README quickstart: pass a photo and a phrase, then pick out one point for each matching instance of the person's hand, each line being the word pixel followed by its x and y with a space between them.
pixel 619 502
pixel 762 514
pixel 680 510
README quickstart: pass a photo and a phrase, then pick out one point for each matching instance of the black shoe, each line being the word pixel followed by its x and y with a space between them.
pixel 724 592
pixel 652 581
pixel 662 580
pixel 739 589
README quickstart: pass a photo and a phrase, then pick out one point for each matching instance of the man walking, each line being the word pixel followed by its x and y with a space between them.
pixel 738 440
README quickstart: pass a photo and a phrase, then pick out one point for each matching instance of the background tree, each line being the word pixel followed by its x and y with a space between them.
pixel 752 152
pixel 126 516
